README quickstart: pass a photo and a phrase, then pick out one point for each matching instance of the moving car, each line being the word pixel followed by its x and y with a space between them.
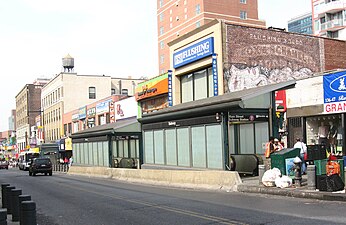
pixel 3 164
pixel 40 165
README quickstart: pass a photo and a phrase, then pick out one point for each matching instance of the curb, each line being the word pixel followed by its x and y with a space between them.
pixel 311 194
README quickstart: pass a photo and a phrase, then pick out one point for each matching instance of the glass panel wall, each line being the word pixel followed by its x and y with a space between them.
pixel 159 147
pixel 183 147
pixel 171 147
pixel 246 139
pixel 198 147
pixel 214 146
pixel 261 137
pixel 149 147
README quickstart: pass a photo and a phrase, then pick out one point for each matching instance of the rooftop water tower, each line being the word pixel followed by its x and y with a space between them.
pixel 68 63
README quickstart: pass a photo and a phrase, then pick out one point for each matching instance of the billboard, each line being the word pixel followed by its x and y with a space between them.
pixel 334 92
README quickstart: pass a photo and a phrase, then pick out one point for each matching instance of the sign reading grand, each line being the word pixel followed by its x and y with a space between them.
pixel 194 52
pixel 334 90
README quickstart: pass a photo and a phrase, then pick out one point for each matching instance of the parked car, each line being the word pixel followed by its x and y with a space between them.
pixel 3 164
pixel 40 165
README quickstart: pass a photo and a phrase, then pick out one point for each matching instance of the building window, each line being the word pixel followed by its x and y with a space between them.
pixel 161 17
pixel 197 85
pixel 162 59
pixel 243 1
pixel 198 9
pixel 161 30
pixel 198 24
pixel 243 15
pixel 162 44
pixel 92 93
pixel 113 91
pixel 160 3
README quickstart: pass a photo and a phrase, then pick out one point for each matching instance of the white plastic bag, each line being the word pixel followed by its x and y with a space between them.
pixel 270 176
pixel 283 182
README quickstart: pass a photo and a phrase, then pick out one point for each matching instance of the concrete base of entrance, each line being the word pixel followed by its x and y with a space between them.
pixel 217 180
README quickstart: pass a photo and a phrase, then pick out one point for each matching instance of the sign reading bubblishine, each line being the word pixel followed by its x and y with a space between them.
pixel 194 52
pixel 334 90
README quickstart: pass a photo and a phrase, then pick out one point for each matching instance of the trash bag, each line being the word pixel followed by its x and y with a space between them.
pixel 283 182
pixel 270 176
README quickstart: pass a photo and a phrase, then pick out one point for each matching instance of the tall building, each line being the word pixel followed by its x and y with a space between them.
pixel 28 106
pixel 12 120
pixel 329 18
pixel 178 17
pixel 301 24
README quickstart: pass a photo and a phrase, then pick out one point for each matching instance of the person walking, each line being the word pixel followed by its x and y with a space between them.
pixel 302 146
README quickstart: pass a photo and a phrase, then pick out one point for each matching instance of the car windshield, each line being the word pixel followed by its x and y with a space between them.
pixel 42 161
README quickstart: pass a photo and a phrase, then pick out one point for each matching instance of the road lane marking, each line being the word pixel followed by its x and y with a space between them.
pixel 167 208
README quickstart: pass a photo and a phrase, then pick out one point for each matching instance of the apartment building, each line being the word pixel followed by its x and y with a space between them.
pixel 69 91
pixel 329 18
pixel 28 106
pixel 301 24
pixel 178 17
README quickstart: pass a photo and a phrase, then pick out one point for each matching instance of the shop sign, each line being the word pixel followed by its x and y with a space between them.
pixel 102 107
pixel 91 111
pixel 215 75
pixel 111 112
pixel 334 91
pixel 194 52
pixel 82 113
pixel 126 108
pixel 154 87
pixel 247 118
pixel 75 117
pixel 280 101
pixel 170 97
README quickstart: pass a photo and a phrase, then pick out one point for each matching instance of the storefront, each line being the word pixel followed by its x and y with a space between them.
pixel 318 116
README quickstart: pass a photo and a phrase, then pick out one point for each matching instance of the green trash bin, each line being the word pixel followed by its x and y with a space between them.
pixel 278 159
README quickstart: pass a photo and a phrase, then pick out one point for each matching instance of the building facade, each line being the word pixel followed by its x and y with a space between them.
pixel 12 120
pixel 176 18
pixel 301 24
pixel 329 18
pixel 28 106
pixel 68 91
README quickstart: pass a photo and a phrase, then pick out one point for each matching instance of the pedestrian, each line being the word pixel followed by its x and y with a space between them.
pixel 269 147
pixel 277 145
pixel 66 160
pixel 70 161
pixel 302 146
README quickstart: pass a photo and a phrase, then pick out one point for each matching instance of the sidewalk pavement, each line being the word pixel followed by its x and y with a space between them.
pixel 252 185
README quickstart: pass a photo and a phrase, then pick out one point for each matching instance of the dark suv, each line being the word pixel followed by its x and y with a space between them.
pixel 40 165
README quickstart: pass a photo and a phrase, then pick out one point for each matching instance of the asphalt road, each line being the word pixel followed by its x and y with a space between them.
pixel 64 199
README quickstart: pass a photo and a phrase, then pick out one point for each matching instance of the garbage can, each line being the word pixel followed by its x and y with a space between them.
pixel 283 160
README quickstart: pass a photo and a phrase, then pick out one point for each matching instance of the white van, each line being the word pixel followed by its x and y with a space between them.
pixel 25 157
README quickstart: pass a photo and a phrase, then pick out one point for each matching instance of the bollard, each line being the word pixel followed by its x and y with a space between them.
pixel 3 216
pixel 297 171
pixel 22 198
pixel 3 196
pixel 260 172
pixel 311 171
pixel 8 200
pixel 28 213
pixel 15 204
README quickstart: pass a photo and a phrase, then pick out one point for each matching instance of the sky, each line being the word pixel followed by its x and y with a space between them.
pixel 115 38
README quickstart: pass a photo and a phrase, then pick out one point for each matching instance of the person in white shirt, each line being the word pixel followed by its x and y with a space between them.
pixel 302 146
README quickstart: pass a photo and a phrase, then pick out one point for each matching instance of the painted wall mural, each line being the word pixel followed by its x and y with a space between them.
pixel 257 57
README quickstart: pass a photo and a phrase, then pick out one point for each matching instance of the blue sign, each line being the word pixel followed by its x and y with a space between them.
pixel 215 75
pixel 170 97
pixel 334 87
pixel 194 52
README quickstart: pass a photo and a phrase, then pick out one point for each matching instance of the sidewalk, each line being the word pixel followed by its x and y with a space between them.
pixel 252 185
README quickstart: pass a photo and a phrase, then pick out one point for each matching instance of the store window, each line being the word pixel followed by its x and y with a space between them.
pixel 325 130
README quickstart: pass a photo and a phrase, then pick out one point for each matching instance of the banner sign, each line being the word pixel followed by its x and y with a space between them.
pixel 215 75
pixel 170 97
pixel 334 90
pixel 82 112
pixel 103 107
pixel 193 53
pixel 153 87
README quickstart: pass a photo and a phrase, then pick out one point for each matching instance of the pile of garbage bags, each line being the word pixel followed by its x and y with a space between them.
pixel 273 177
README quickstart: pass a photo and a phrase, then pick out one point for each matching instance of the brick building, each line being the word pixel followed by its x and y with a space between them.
pixel 176 18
